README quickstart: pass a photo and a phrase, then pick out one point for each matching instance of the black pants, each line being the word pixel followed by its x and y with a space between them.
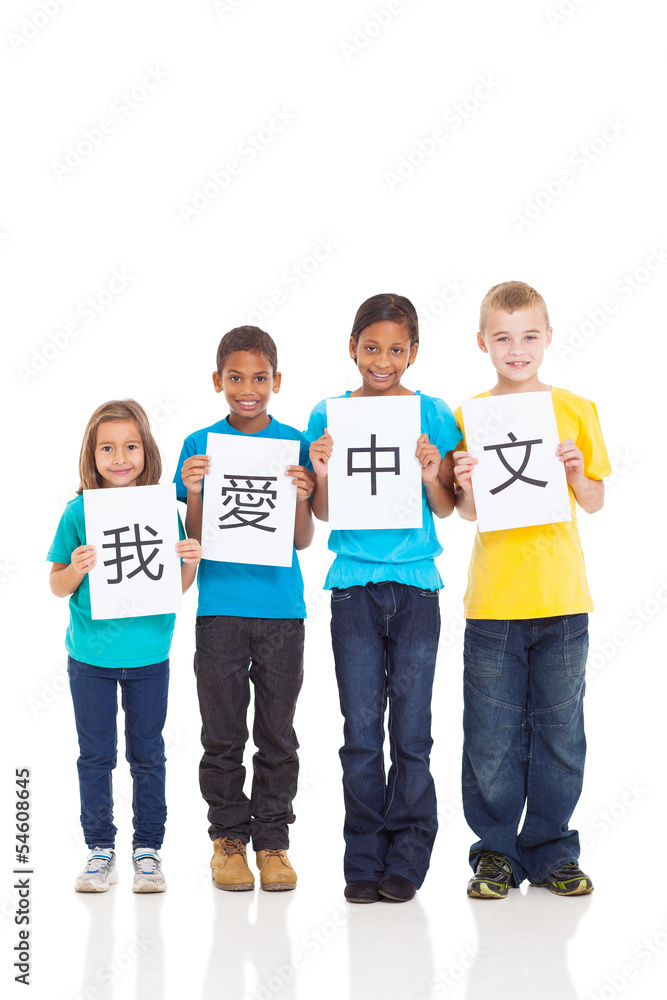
pixel 230 653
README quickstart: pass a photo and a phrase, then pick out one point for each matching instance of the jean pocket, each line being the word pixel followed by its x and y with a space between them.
pixel 430 593
pixel 575 643
pixel 340 595
pixel 484 646
pixel 206 621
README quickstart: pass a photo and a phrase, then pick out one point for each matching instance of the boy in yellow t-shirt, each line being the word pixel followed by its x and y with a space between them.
pixel 526 638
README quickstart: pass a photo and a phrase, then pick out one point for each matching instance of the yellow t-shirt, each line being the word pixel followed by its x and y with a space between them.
pixel 538 572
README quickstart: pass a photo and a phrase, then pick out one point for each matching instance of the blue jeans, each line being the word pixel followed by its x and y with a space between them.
pixel 385 640
pixel 523 738
pixel 144 700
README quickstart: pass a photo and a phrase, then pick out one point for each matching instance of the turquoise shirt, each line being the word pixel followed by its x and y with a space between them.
pixel 245 590
pixel 109 642
pixel 404 555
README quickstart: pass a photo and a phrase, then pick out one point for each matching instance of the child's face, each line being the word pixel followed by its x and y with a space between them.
pixel 119 453
pixel 383 354
pixel 516 343
pixel 247 382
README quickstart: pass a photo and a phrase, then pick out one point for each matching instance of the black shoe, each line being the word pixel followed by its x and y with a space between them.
pixel 361 892
pixel 396 887
pixel 568 880
pixel 493 876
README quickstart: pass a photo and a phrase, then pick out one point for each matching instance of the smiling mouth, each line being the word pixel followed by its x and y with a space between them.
pixel 518 364
pixel 247 404
pixel 382 378
pixel 121 472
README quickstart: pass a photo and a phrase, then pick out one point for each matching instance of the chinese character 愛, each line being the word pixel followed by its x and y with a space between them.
pixel 517 474
pixel 137 544
pixel 248 499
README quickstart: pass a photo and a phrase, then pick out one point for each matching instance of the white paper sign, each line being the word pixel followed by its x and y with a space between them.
pixel 134 531
pixel 249 502
pixel 374 476
pixel 518 481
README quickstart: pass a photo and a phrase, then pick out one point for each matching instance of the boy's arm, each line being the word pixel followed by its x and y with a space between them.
pixel 589 493
pixel 192 473
pixel 464 464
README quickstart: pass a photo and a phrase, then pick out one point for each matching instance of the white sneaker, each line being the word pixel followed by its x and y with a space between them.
pixel 99 873
pixel 148 875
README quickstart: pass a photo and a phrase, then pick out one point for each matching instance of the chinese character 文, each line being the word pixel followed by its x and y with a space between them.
pixel 373 467
pixel 138 544
pixel 248 499
pixel 517 474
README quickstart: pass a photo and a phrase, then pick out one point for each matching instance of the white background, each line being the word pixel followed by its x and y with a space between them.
pixel 545 90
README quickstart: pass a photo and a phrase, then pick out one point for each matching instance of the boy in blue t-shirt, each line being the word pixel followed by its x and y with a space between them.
pixel 249 628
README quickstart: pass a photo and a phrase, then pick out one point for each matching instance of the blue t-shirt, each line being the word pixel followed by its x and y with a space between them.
pixel 404 555
pixel 241 589
pixel 109 642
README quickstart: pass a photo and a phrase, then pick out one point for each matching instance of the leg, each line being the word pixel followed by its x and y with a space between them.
pixel 359 653
pixel 413 623
pixel 95 708
pixel 144 699
pixel 495 753
pixel 277 675
pixel 558 745
pixel 222 659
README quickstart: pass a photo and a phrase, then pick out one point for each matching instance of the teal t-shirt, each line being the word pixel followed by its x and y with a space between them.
pixel 403 555
pixel 110 642
pixel 244 590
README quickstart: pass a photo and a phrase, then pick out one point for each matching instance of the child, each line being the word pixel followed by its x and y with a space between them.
pixel 249 628
pixel 526 636
pixel 385 623
pixel 118 451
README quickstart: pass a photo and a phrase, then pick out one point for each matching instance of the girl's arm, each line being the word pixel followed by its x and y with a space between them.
pixel 320 453
pixel 304 529
pixel 65 578
pixel 437 476
pixel 189 550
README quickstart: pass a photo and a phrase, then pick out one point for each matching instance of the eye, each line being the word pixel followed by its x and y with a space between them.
pixel 234 378
pixel 261 378
pixel 397 350
pixel 133 447
pixel 105 447
pixel 370 348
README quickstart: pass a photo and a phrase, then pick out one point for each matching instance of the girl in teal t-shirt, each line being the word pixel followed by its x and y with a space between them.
pixel 385 623
pixel 118 452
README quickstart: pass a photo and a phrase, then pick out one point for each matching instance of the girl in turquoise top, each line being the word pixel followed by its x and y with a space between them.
pixel 118 452
pixel 385 623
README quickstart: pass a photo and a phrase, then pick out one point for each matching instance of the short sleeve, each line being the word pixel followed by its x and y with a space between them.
pixel 439 423
pixel 591 442
pixel 67 538
pixel 316 422
pixel 187 451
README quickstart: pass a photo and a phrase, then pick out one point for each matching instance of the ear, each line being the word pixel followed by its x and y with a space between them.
pixel 548 340
pixel 413 353
pixel 277 378
pixel 353 349
pixel 217 382
pixel 481 343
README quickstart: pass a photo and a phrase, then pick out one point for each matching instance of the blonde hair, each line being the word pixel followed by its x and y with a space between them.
pixel 118 409
pixel 511 296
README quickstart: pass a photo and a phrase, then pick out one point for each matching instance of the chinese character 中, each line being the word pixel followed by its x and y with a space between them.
pixel 137 544
pixel 248 499
pixel 373 467
pixel 516 473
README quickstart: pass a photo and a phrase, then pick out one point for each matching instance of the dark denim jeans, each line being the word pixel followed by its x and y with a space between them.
pixel 524 742
pixel 385 640
pixel 231 652
pixel 144 700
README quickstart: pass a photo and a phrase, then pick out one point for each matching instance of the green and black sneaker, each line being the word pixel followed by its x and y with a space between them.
pixel 568 880
pixel 493 877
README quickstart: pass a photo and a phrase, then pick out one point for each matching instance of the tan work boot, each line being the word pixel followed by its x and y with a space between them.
pixel 229 866
pixel 275 871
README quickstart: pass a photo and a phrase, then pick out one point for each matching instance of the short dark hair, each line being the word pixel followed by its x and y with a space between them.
pixel 247 338
pixel 387 308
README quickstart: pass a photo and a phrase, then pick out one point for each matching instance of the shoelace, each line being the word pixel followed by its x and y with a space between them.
pixel 233 846
pixel 274 853
pixel 95 859
pixel 493 862
pixel 146 863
